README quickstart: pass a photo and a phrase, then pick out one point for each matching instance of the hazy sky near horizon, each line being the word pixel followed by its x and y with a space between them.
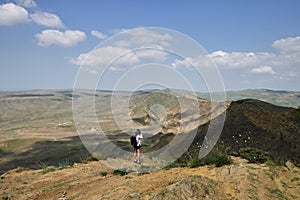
pixel 255 44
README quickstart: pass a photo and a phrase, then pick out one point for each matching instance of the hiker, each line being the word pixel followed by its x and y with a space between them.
pixel 136 143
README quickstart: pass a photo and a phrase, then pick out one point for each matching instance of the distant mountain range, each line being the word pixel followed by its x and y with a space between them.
pixel 276 97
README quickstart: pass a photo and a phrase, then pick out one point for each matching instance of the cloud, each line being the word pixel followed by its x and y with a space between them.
pixel 143 37
pixel 288 57
pixel 26 3
pixel 263 70
pixel 55 37
pixel 18 12
pixel 288 45
pixel 136 46
pixel 98 34
pixel 101 57
pixel 47 19
pixel 226 60
pixel 153 53
pixel 119 58
pixel 11 14
pixel 242 59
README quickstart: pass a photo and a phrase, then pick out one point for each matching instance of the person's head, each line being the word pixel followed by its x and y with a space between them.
pixel 137 132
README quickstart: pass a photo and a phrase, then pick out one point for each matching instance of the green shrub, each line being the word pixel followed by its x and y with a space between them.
pixel 271 164
pixel 103 173
pixel 254 155
pixel 120 172
pixel 65 164
pixel 47 170
pixel 4 196
pixel 170 166
pixel 215 157
pixel 295 179
pixel 222 159
pixel 196 162
pixel 174 165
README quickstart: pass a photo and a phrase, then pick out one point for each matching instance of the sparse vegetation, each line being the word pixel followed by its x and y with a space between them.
pixel 271 164
pixel 218 157
pixel 65 164
pixel 196 162
pixel 295 179
pixel 170 166
pixel 174 165
pixel 276 193
pixel 88 159
pixel 254 155
pixel 4 196
pixel 222 159
pixel 48 169
pixel 121 172
pixel 103 173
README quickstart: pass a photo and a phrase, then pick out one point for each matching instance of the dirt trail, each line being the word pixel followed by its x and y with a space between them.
pixel 240 180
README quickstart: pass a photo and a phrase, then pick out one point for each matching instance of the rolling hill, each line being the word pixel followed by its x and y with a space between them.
pixel 37 131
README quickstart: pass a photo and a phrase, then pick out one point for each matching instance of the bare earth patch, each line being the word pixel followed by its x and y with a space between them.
pixel 94 180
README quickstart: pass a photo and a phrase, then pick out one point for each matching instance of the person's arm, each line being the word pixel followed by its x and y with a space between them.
pixel 141 138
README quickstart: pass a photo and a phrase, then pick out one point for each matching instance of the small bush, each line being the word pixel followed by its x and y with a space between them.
pixel 4 196
pixel 103 173
pixel 214 158
pixel 173 165
pixel 271 164
pixel 120 172
pixel 65 164
pixel 89 158
pixel 196 162
pixel 47 170
pixel 295 179
pixel 254 155
pixel 170 166
pixel 222 159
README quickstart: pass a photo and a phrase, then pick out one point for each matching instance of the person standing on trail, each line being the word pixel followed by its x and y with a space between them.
pixel 136 143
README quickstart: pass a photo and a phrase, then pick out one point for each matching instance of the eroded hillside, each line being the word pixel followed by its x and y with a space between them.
pixel 240 180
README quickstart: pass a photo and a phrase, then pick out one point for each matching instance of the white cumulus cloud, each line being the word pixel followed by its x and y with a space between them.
pixel 263 70
pixel 47 19
pixel 98 34
pixel 60 38
pixel 101 57
pixel 288 57
pixel 144 37
pixel 288 45
pixel 119 58
pixel 11 14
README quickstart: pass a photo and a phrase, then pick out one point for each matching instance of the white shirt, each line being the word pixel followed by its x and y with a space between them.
pixel 138 137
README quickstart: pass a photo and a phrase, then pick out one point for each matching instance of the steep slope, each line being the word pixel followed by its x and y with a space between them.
pixel 253 123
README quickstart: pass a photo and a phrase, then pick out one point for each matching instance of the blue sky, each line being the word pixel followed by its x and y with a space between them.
pixel 255 44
